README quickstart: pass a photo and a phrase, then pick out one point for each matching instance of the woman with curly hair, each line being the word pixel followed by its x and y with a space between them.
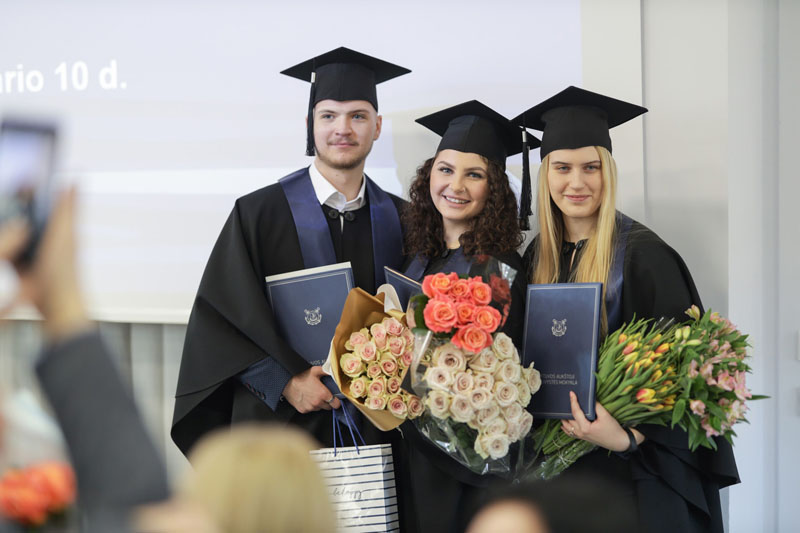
pixel 462 209
pixel 583 238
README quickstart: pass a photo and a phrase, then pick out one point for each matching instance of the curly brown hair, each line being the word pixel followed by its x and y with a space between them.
pixel 495 231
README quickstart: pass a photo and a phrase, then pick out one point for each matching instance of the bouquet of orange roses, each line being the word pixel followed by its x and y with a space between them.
pixel 473 385
pixel 37 494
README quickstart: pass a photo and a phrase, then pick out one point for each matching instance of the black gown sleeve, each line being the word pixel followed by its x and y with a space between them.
pixel 231 328
pixel 678 490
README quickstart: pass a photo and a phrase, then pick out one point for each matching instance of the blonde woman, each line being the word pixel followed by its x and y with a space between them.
pixel 583 238
pixel 259 479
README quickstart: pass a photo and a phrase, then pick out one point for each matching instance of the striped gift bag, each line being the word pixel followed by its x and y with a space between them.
pixel 362 486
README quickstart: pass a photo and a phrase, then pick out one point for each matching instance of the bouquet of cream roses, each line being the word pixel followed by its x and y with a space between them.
pixel 473 386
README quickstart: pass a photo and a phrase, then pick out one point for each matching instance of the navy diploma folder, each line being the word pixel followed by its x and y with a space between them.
pixel 307 305
pixel 404 286
pixel 562 333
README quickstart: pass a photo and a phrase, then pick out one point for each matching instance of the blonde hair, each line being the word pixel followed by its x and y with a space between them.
pixel 260 479
pixel 598 252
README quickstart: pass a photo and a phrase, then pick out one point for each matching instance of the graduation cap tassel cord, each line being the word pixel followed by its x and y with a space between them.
pixel 525 196
pixel 310 130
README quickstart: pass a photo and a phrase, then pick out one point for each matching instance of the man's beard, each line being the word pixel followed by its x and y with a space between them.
pixel 344 164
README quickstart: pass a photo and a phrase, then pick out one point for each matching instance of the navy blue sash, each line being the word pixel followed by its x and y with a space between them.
pixel 457 262
pixel 615 276
pixel 315 237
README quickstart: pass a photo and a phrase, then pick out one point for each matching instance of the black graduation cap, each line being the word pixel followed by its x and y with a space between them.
pixel 473 127
pixel 342 74
pixel 575 118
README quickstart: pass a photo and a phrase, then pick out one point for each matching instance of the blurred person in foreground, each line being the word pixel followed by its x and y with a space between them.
pixel 575 505
pixel 116 464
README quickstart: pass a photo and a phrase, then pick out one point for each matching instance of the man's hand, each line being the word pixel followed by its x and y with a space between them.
pixel 307 393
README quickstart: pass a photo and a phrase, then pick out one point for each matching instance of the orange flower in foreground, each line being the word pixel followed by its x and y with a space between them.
pixel 28 496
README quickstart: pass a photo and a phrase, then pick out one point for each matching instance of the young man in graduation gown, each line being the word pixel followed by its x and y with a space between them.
pixel 236 366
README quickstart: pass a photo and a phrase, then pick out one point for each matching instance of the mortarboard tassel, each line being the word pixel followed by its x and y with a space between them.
pixel 525 196
pixel 310 130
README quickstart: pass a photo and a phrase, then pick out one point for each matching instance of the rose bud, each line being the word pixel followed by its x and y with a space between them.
pixel 439 403
pixel 415 407
pixel 440 315
pixel 374 370
pixel 393 384
pixel 388 364
pixel 496 445
pixel 378 335
pixel 358 387
pixel 368 351
pixel 397 345
pixel 508 371
pixel 351 365
pixel 487 318
pixel 438 378
pixel 460 409
pixel 376 403
pixel 480 398
pixel 438 284
pixel 463 382
pixel 505 393
pixel 377 387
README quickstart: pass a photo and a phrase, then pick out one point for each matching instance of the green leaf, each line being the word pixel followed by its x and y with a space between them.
pixel 677 411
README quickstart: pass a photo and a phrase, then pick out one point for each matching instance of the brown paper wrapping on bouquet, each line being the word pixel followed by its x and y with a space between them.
pixel 361 310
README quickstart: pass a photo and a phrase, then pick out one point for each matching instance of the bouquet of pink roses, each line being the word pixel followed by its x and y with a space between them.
pixel 473 385
pixel 370 354
pixel 376 363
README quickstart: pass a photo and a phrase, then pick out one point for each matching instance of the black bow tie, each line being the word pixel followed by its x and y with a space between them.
pixel 335 213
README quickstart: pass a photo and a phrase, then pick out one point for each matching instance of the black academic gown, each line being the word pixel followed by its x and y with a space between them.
pixel 232 326
pixel 432 475
pixel 672 488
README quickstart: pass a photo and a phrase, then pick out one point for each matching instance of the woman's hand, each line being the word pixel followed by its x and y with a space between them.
pixel 605 431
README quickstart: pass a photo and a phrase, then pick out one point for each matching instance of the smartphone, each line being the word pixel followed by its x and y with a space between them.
pixel 27 160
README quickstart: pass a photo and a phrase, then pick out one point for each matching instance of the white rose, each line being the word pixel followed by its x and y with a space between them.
pixel 484 416
pixel 534 380
pixel 495 426
pixel 480 398
pixel 503 346
pixel 485 361
pixel 508 371
pixel 526 422
pixel 463 383
pixel 460 409
pixel 438 402
pixel 483 380
pixel 452 359
pixel 438 378
pixel 505 393
pixel 496 446
pixel 524 393
pixel 513 412
pixel 479 447
pixel 445 349
pixel 514 431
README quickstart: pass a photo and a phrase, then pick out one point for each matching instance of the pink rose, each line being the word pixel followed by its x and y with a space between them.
pixel 377 387
pixel 415 407
pixel 406 359
pixel 408 336
pixel 472 339
pixel 351 365
pixel 487 318
pixel 697 407
pixel 358 387
pixel 462 383
pixel 438 284
pixel 480 291
pixel 397 345
pixel 374 370
pixel 393 384
pixel 393 326
pixel 358 337
pixel 367 351
pixel 378 335
pixel 388 365
pixel 376 403
pixel 397 406
pixel 465 312
pixel 440 315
